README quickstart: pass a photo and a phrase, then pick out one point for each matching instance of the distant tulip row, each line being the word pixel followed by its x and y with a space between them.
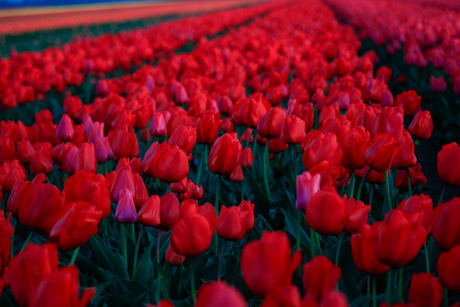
pixel 188 171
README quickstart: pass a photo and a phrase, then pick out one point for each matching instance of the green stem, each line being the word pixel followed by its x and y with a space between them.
pixel 345 184
pixel 408 182
pixel 387 190
pixel 296 171
pixel 238 253
pixel 371 196
pixel 358 196
pixel 216 206
pixel 442 194
pixel 219 268
pixel 374 292
pixel 192 282
pixel 31 234
pixel 74 256
pixel 138 244
pixel 318 243
pixel 299 222
pixel 427 260
pixel 242 190
pixel 337 255
pixel 353 180
pixel 266 169
pixel 158 246
pixel 254 143
pixel 445 298
pixel 400 282
pixel 388 292
pixel 124 248
pixel 200 168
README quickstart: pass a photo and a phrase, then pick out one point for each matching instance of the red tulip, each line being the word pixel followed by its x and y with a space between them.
pixel 77 226
pixel 293 130
pixel 169 211
pixel 320 276
pixel 6 232
pixel 326 212
pixel 399 240
pixel 288 296
pixel 410 102
pixel 249 111
pixel 7 150
pixel 191 235
pixel 425 290
pixel 150 212
pixel 357 215
pixel 448 268
pixel 406 157
pixel 322 148
pixel 85 159
pixel 141 194
pixel 448 169
pixel 271 124
pixel 172 257
pixel 40 205
pixel 381 151
pixel 422 125
pixel 24 151
pixel 444 224
pixel 219 294
pixel 10 172
pixel 389 121
pixel 267 264
pixel 225 154
pixel 88 187
pixel 123 142
pixel 207 128
pixel 61 288
pixel 420 207
pixel 124 179
pixel 28 269
pixel 354 145
pixel 40 164
pixel 364 250
pixel 64 131
pixel 416 178
pixel 230 223
pixel 165 162
pixel 68 158
pixel 184 137
pixel 158 125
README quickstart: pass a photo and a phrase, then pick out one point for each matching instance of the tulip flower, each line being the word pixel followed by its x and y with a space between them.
pixel 267 263
pixel 6 232
pixel 169 211
pixel 40 164
pixel 364 251
pixel 225 154
pixel 271 124
pixel 184 137
pixel 410 101
pixel 421 126
pixel 61 287
pixel 282 296
pixel 329 219
pixel 191 235
pixel 249 111
pixel 418 294
pixel 77 226
pixel 399 239
pixel 444 224
pixel 322 148
pixel 354 145
pixel 448 268
pixel 24 151
pixel 294 130
pixel 68 158
pixel 219 294
pixel 126 210
pixel 165 162
pixel 447 170
pixel 381 151
pixel 10 172
pixel 7 150
pixel 307 186
pixel 357 215
pixel 158 125
pixel 207 128
pixel 123 142
pixel 85 159
pixel 28 269
pixel 419 208
pixel 150 212
pixel 124 179
pixel 64 131
pixel 230 223
pixel 416 177
pixel 389 121
pixel 319 276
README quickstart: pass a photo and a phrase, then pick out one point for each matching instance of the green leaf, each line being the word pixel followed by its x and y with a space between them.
pixel 102 252
pixel 120 267
pixel 144 273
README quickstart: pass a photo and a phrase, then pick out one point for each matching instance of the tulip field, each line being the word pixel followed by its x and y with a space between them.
pixel 285 153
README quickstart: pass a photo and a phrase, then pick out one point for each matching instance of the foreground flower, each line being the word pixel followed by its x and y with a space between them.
pixel 444 224
pixel 219 294
pixel 191 235
pixel 425 290
pixel 448 169
pixel 448 268
pixel 320 276
pixel 267 263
